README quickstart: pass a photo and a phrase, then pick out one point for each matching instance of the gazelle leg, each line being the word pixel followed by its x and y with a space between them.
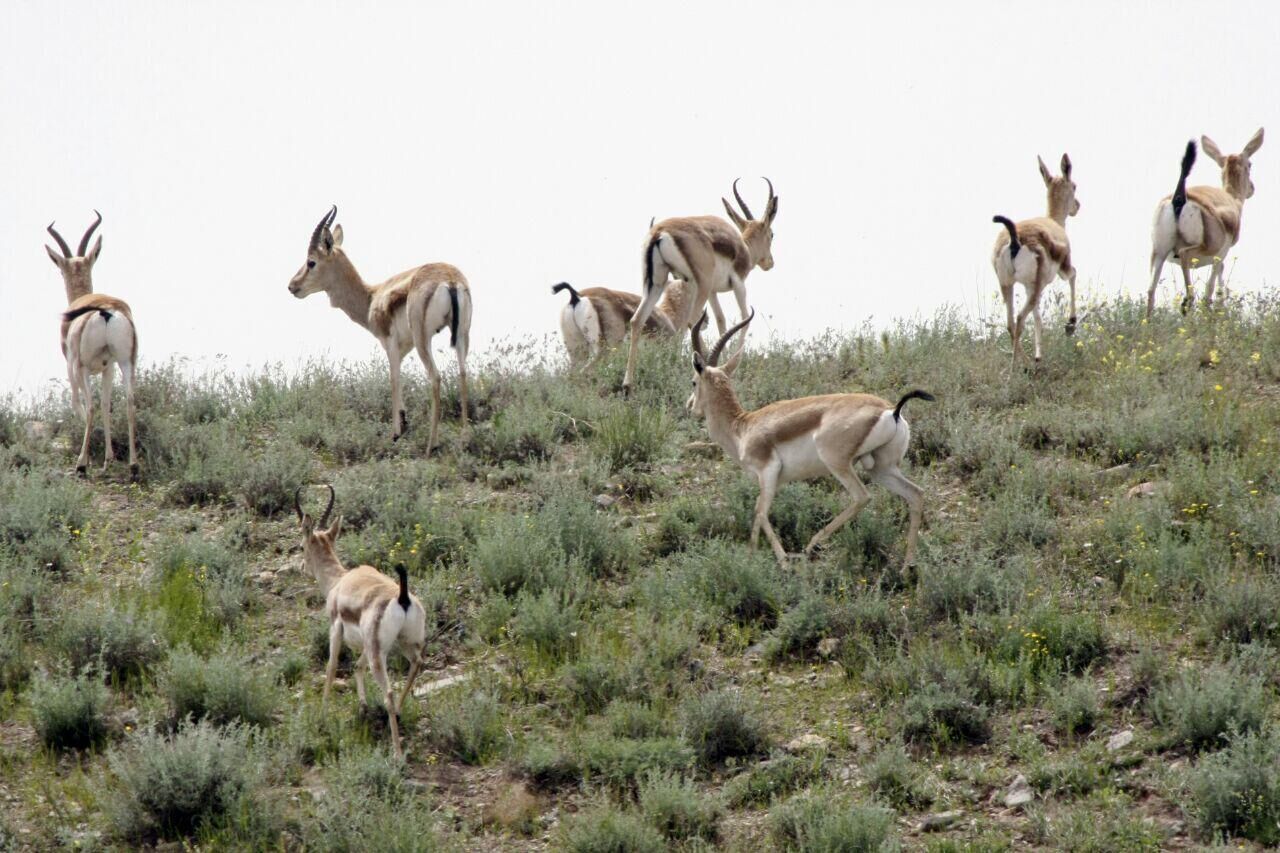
pixel 461 351
pixel 335 650
pixel 1071 319
pixel 86 393
pixel 399 420
pixel 842 469
pixel 378 665
pixel 718 313
pixel 434 374
pixel 895 481
pixel 1215 277
pixel 1157 264
pixel 1006 291
pixel 739 295
pixel 768 478
pixel 358 669
pixel 414 669
pixel 131 410
pixel 1190 298
pixel 1037 329
pixel 108 377
pixel 638 319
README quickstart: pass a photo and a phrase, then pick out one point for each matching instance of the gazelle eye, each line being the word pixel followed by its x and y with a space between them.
pixel 310 264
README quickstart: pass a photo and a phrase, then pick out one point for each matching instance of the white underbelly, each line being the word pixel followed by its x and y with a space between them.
pixel 352 636
pixel 800 460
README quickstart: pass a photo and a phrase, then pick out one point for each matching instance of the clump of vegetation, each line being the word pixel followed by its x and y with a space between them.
pixel 1243 611
pixel 897 780
pixel 1236 792
pixel 1074 706
pixel 69 711
pixel 122 641
pixel 1201 709
pixel 631 436
pixel 470 728
pixel 942 716
pixel 608 829
pixel 676 808
pixel 722 724
pixel 825 819
pixel 220 688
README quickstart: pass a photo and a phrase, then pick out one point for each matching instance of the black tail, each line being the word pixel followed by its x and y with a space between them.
pixel 648 263
pixel 71 315
pixel 453 318
pixel 911 395
pixel 1014 245
pixel 1180 194
pixel 403 574
pixel 564 285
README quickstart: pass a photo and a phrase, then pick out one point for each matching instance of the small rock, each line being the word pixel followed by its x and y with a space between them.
pixel 755 651
pixel 806 742
pixel 1019 793
pixel 1120 740
pixel 605 501
pixel 781 680
pixel 440 684
pixel 940 821
pixel 1142 490
pixel 266 576
pixel 1098 580
pixel 828 647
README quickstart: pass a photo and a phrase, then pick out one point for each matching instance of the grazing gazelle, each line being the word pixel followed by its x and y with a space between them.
pixel 708 253
pixel 596 318
pixel 1034 252
pixel 805 439
pixel 404 312
pixel 97 334
pixel 367 610
pixel 1201 224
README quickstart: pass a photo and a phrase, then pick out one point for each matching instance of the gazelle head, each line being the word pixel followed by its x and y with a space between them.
pixel 76 269
pixel 756 233
pixel 317 540
pixel 1235 167
pixel 1062 190
pixel 708 376
pixel 319 270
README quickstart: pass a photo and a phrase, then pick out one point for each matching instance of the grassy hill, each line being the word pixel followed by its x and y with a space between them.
pixel 1091 626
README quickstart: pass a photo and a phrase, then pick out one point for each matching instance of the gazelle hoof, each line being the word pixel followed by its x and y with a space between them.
pixel 134 472
pixel 1071 326
pixel 1187 302
pixel 626 390
pixel 82 470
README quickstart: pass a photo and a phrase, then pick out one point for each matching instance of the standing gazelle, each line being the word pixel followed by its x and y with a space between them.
pixel 404 312
pixel 97 333
pixel 596 318
pixel 708 253
pixel 805 439
pixel 1201 224
pixel 1034 252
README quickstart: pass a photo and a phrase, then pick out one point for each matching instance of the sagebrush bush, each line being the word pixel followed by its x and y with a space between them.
pixel 942 716
pixel 547 765
pixel 1236 792
pixel 201 589
pixel 800 629
pixel 221 688
pixel 176 785
pixel 608 829
pixel 69 711
pixel 635 720
pixel 675 806
pixel 1202 708
pixel 524 432
pixel 585 535
pixel 269 481
pixel 40 516
pixel 953 585
pixel 548 621
pixel 120 640
pixel 631 436
pixel 204 463
pixel 510 556
pixel 1074 705
pixel 778 776
pixel 734 582
pixel 1243 611
pixel 722 724
pixel 825 820
pixel 618 763
pixel 897 780
pixel 471 728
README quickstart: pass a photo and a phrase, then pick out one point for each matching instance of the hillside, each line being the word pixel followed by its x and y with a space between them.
pixel 1084 659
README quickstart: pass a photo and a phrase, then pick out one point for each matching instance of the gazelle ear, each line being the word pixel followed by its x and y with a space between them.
pixel 335 529
pixel 1066 166
pixel 698 363
pixel 772 210
pixel 733 214
pixel 1253 144
pixel 1044 171
pixel 308 524
pixel 1211 148
pixel 95 251
pixel 58 260
pixel 732 364
pixel 337 235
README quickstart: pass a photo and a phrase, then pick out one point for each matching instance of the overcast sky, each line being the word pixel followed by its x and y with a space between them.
pixel 531 143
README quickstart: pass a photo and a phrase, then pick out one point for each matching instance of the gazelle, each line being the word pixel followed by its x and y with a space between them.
pixel 1034 252
pixel 404 312
pixel 708 253
pixel 597 318
pixel 367 610
pixel 804 439
pixel 97 333
pixel 1198 224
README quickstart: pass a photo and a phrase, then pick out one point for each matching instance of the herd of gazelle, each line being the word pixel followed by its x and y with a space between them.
pixel 687 261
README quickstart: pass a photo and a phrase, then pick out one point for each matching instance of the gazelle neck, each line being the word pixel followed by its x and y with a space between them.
pixel 347 290
pixel 327 570
pixel 724 415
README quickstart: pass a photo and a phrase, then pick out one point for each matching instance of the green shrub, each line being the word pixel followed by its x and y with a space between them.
pixel 205 463
pixel 802 627
pixel 607 829
pixel 973 583
pixel 1243 611
pixel 549 622
pixel 596 679
pixel 740 584
pixel 221 688
pixel 585 535
pixel 1052 639
pixel 176 785
pixel 634 720
pixel 897 780
pixel 939 715
pixel 1103 824
pixel 722 724
pixel 69 711
pixel 1074 706
pixel 201 589
pixel 675 807
pixel 631 436
pixel 121 641
pixel 269 482
pixel 547 766
pixel 523 432
pixel 40 515
pixel 470 728
pixel 510 556
pixel 618 763
pixel 1200 709
pixel 780 775
pixel 1236 792
pixel 824 821
pixel 688 520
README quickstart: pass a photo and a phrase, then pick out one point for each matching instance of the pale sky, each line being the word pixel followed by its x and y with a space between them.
pixel 531 143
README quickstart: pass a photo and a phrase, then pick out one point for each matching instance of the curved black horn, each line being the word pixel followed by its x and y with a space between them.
pixel 695 336
pixel 62 244
pixel 297 502
pixel 84 241
pixel 325 222
pixel 714 358
pixel 742 204
pixel 324 519
pixel 770 183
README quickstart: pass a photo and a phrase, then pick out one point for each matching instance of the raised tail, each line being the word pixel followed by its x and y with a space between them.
pixel 79 312
pixel 1014 245
pixel 1180 194
pixel 648 262
pixel 453 317
pixel 912 395
pixel 573 294
pixel 403 574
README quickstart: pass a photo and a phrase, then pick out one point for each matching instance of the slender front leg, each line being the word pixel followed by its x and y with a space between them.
pixel 108 377
pixel 717 313
pixel 1071 320
pixel 1037 329
pixel 768 478
pixel 414 668
pixel 399 421
pixel 739 294
pixel 638 319
pixel 1215 277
